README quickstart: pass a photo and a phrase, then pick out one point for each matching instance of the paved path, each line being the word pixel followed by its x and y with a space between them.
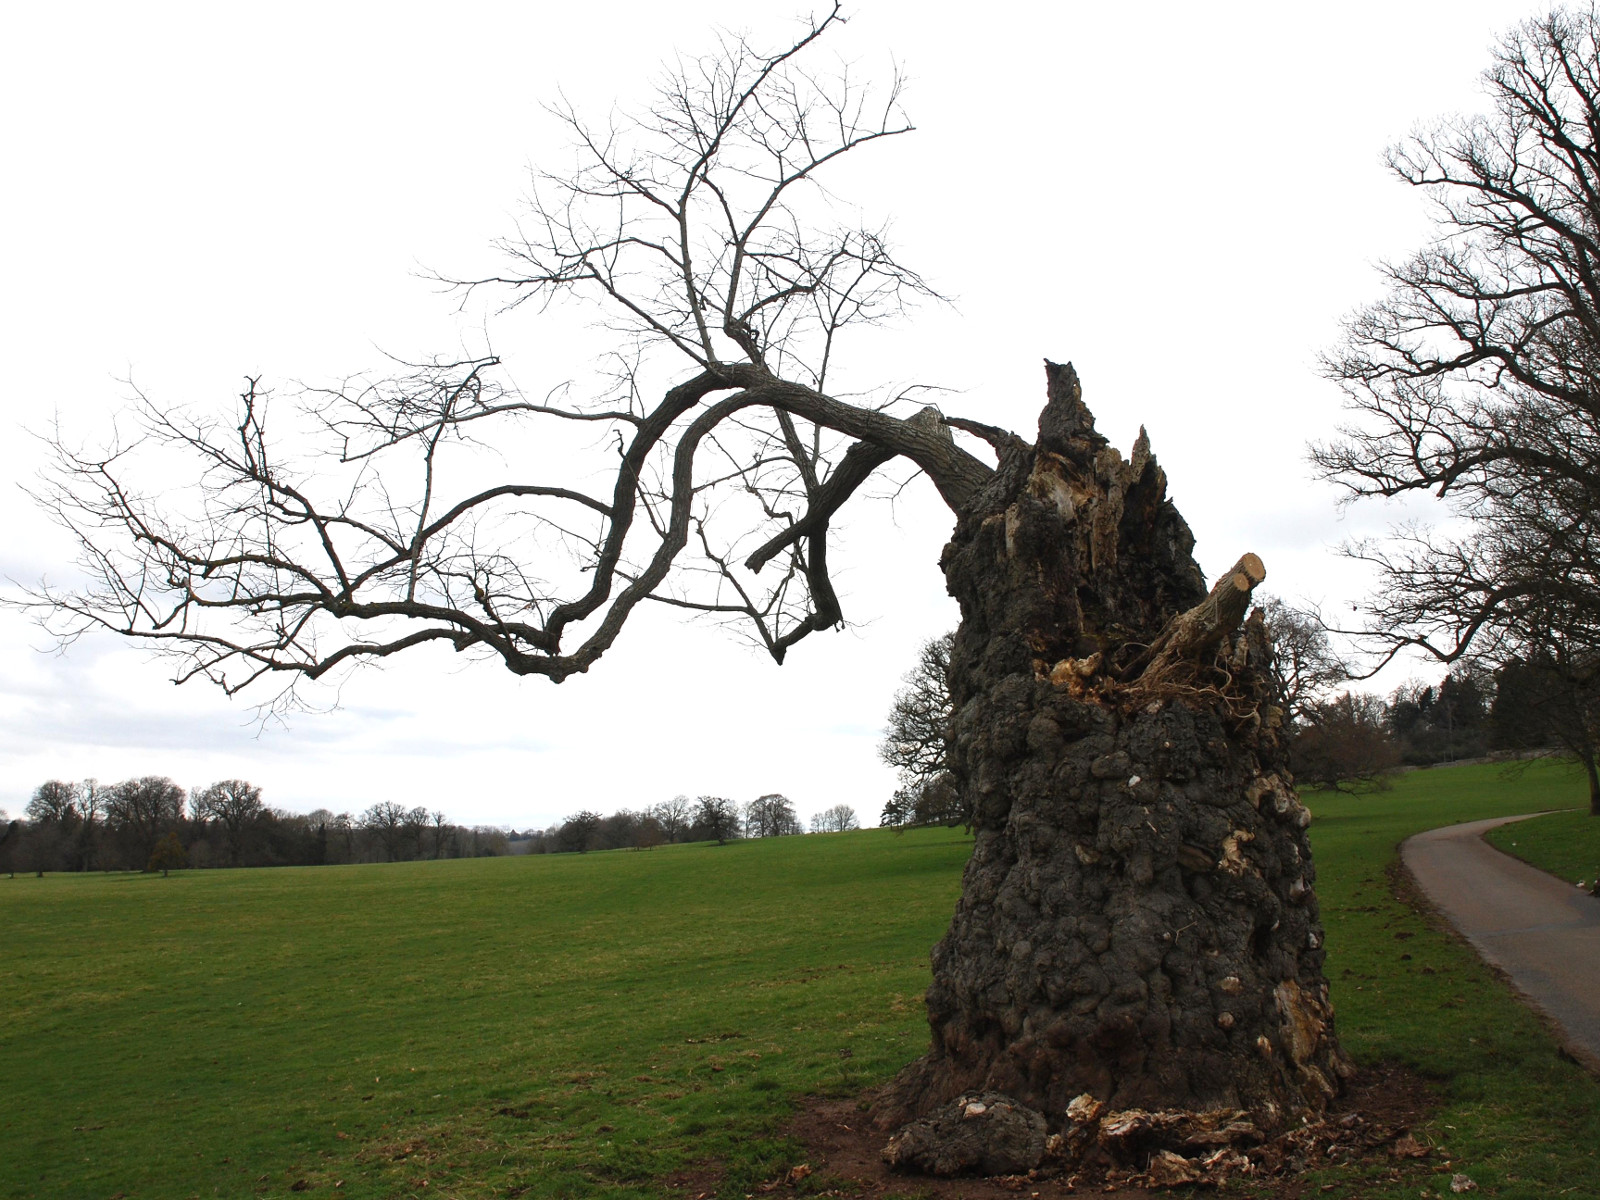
pixel 1543 933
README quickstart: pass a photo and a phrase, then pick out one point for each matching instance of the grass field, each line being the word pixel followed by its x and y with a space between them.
pixel 587 1025
pixel 1566 844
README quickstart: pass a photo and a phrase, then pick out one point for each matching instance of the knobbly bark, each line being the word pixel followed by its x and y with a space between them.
pixel 1137 921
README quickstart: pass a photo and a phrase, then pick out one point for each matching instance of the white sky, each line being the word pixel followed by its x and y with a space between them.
pixel 1181 199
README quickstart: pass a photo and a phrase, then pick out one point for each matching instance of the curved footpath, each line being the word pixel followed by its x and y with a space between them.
pixel 1543 933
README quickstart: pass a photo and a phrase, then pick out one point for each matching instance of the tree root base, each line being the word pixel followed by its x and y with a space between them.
pixel 1368 1131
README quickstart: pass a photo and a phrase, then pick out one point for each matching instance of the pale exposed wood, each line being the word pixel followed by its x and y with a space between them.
pixel 1191 634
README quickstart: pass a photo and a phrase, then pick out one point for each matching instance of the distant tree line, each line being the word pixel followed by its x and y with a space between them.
pixel 704 819
pixel 1342 738
pixel 151 823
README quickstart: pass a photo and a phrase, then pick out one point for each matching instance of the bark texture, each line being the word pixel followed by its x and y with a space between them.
pixel 1137 921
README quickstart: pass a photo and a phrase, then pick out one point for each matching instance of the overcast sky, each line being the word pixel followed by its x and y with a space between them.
pixel 1183 200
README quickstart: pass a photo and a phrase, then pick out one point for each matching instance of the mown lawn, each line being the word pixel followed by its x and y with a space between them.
pixel 588 1025
pixel 1566 844
pixel 1519 1120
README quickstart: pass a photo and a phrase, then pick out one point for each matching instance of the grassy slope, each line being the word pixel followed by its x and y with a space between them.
pixel 1521 1121
pixel 1567 844
pixel 230 1033
pixel 213 1031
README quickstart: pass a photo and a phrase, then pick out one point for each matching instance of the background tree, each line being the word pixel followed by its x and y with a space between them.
pixel 1343 742
pixel 54 801
pixel 1477 377
pixel 385 821
pixel 840 818
pixel 619 831
pixel 139 812
pixel 10 840
pixel 1435 723
pixel 914 740
pixel 650 834
pixel 715 819
pixel 1088 640
pixel 414 828
pixel 914 743
pixel 578 831
pixel 674 817
pixel 236 806
pixel 1545 703
pixel 771 815
pixel 896 812
pixel 1304 665
pixel 168 855
pixel 54 827
pixel 91 807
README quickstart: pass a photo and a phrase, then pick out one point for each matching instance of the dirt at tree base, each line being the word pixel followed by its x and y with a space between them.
pixel 1369 1131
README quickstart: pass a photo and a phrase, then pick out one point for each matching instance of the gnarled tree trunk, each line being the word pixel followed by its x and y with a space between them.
pixel 1137 921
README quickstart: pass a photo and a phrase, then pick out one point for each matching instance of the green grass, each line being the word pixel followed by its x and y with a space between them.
pixel 579 1024
pixel 1566 844
pixel 1516 1117
pixel 590 1025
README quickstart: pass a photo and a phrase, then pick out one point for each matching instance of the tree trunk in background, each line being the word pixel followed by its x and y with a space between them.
pixel 1137 920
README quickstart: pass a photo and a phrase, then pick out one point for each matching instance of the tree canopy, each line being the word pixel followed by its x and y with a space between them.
pixel 1477 376
pixel 340 526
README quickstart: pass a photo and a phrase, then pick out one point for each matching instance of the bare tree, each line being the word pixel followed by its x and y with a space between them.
pixel 386 821
pixel 1088 639
pixel 674 817
pixel 414 824
pixel 236 805
pixel 841 818
pixel 577 832
pixel 142 810
pixel 55 800
pixel 715 819
pixel 771 815
pixel 1477 377
pixel 1304 665
pixel 914 742
pixel 1343 742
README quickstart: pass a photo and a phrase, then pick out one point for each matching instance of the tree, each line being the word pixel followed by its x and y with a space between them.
pixel 1540 703
pixel 413 825
pixel 1477 376
pixel 673 816
pixel 236 805
pixel 1304 665
pixel 841 818
pixel 55 822
pixel 11 837
pixel 577 831
pixel 715 819
pixel 140 811
pixel 55 801
pixel 914 741
pixel 1344 741
pixel 168 855
pixel 771 815
pixel 1434 723
pixel 386 821
pixel 897 811
pixel 91 806
pixel 1106 732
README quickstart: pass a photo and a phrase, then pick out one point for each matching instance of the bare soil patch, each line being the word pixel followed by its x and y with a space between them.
pixel 1368 1133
